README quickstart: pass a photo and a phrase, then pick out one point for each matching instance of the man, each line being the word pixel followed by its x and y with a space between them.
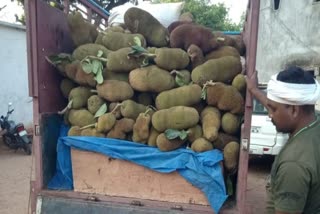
pixel 295 174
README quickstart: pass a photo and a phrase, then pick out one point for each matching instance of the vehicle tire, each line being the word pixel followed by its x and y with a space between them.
pixel 28 148
pixel 8 141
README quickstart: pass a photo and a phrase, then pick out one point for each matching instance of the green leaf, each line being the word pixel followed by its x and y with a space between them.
pixel 99 77
pixel 86 67
pixel 181 81
pixel 183 135
pixel 137 41
pixel 139 49
pixel 96 66
pixel 100 53
pixel 173 134
pixel 204 94
pixel 59 58
pixel 102 110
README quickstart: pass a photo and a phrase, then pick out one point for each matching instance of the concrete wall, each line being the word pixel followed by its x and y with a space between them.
pixel 289 35
pixel 14 73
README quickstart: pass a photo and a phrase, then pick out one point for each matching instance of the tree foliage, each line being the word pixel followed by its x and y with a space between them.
pixel 214 16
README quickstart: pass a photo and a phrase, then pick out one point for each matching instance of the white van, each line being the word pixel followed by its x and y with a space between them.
pixel 264 139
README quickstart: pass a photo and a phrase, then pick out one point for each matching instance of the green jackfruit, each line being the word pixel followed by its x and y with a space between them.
pixel 90 49
pixel 116 40
pixel 178 117
pixel 201 145
pixel 66 86
pixel 151 79
pixel 211 121
pixel 140 21
pixel 223 51
pixel 131 109
pixel 171 58
pixel 188 95
pixel 231 156
pixel 74 131
pixel 225 97
pixel 230 123
pixel 165 145
pixel 94 103
pixel 115 90
pixel 81 117
pixel 223 69
pixel 118 61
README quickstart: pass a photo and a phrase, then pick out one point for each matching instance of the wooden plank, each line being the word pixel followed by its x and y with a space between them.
pixel 96 173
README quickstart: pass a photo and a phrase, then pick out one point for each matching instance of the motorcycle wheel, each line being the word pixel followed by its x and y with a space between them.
pixel 27 148
pixel 8 141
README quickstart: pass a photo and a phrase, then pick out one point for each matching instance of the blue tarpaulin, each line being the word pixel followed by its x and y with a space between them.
pixel 202 170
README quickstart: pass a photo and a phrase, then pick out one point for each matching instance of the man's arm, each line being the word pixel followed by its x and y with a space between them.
pixel 290 188
pixel 252 86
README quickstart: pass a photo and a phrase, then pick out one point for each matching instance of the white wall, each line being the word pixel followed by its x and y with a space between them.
pixel 289 35
pixel 14 73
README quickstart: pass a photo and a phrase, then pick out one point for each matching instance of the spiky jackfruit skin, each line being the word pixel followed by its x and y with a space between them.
pixel 79 96
pixel 231 156
pixel 186 16
pixel 223 139
pixel 151 79
pixel 223 69
pixel 141 128
pixel 94 103
pixel 201 145
pixel 117 40
pixel 165 145
pixel 110 75
pixel 118 61
pixel 188 95
pixel 132 109
pixel 66 85
pixel 105 122
pixel 211 122
pixel 227 40
pixel 75 72
pixel 121 128
pixel 117 112
pixel 171 58
pixel 74 131
pixel 223 51
pixel 194 133
pixel 90 49
pixel 225 97
pixel 230 123
pixel 178 117
pixel 196 56
pixel 140 21
pixel 239 82
pixel 152 140
pixel 92 132
pixel 115 90
pixel 81 31
pixel 81 117
pixel 187 34
pixel 176 24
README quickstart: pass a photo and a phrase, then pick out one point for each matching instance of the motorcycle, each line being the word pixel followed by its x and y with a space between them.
pixel 15 135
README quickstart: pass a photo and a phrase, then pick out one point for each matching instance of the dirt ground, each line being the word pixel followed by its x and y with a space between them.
pixel 16 169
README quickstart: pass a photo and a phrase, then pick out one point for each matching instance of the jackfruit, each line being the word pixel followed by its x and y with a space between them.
pixel 201 145
pixel 94 103
pixel 81 117
pixel 211 121
pixel 165 145
pixel 231 156
pixel 115 90
pixel 230 123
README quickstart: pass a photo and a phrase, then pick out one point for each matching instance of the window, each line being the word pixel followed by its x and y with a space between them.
pixel 276 4
pixel 258 108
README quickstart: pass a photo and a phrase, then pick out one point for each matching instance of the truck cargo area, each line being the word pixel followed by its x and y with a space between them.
pixel 48 33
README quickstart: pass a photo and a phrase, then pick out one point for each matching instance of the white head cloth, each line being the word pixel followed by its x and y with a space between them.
pixel 292 93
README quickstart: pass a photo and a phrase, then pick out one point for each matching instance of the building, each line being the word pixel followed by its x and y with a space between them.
pixel 14 73
pixel 288 35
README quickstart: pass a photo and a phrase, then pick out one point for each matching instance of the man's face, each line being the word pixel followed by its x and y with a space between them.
pixel 280 115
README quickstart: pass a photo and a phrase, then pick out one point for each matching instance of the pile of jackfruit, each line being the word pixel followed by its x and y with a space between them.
pixel 138 82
